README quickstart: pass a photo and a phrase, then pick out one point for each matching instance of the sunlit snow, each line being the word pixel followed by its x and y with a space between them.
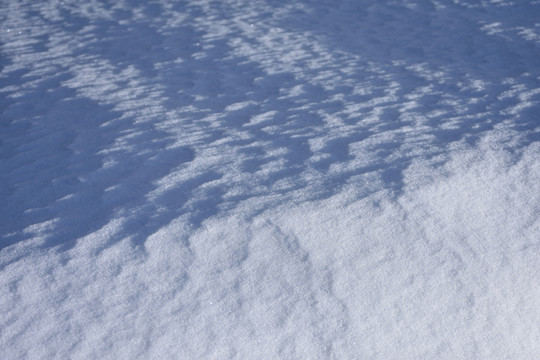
pixel 263 179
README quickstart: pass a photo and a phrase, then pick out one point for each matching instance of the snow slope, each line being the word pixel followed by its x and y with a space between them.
pixel 350 179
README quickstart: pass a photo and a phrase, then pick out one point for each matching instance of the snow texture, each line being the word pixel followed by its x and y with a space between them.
pixel 263 179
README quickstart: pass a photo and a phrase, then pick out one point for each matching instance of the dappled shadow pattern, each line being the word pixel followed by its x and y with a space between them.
pixel 186 110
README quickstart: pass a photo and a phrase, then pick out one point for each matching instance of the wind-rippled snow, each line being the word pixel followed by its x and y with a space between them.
pixel 270 180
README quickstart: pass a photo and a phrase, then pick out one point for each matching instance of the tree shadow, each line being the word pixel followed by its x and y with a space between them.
pixel 454 50
pixel 149 122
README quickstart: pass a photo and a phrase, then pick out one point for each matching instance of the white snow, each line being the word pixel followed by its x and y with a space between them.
pixel 270 180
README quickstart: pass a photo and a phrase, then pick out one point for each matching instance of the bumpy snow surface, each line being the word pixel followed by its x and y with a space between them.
pixel 258 179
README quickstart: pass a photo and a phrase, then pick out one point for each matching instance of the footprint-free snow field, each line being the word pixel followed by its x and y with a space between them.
pixel 263 179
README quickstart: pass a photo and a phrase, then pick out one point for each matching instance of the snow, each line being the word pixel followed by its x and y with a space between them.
pixel 267 179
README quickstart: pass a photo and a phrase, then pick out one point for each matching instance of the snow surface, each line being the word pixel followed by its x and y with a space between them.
pixel 261 179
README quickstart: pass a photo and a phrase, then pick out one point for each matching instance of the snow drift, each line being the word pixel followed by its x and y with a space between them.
pixel 261 179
